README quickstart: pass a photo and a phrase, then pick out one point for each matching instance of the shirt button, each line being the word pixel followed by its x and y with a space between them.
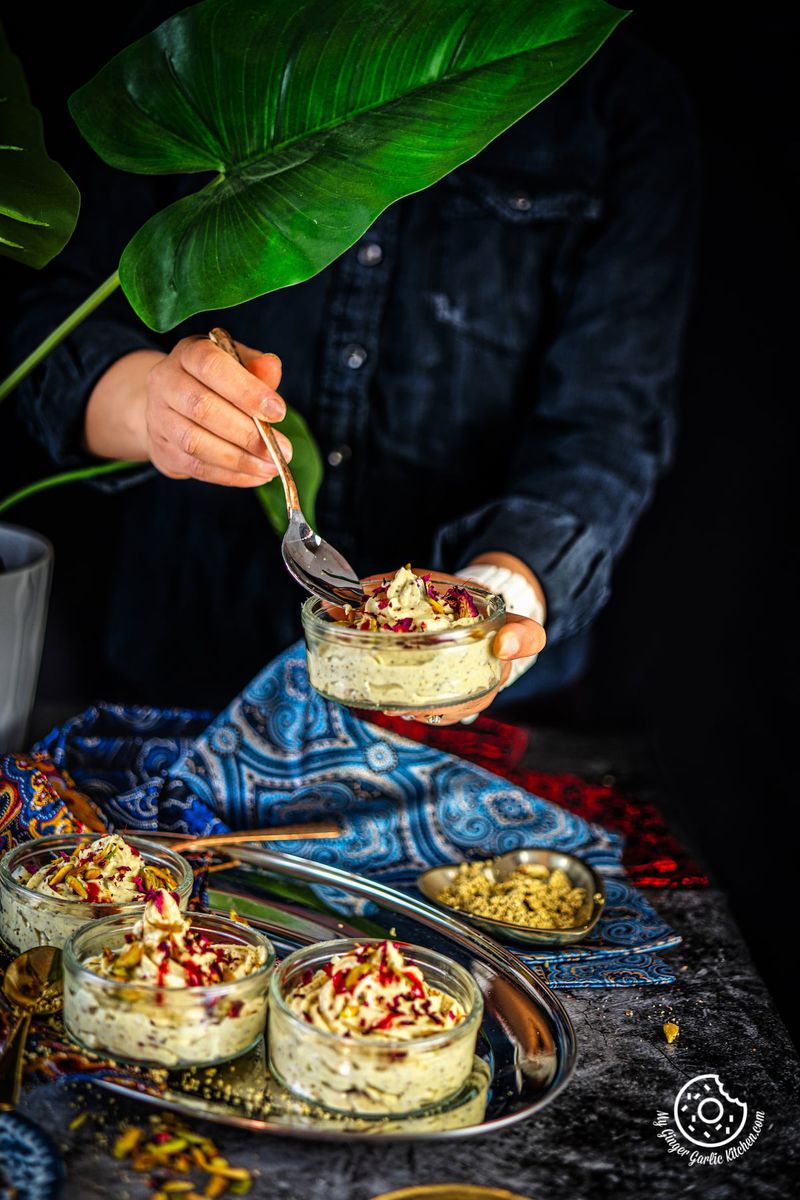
pixel 520 202
pixel 339 455
pixel 370 254
pixel 355 356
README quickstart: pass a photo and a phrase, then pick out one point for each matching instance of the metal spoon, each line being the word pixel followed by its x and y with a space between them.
pixel 314 563
pixel 33 984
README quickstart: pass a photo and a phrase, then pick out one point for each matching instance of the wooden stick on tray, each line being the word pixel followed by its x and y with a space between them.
pixel 276 833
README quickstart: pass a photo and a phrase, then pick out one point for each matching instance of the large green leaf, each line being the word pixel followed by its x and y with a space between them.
pixel 307 471
pixel 314 116
pixel 38 201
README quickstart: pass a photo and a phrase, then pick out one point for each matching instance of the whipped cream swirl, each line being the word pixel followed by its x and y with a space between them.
pixel 372 991
pixel 163 949
pixel 411 603
pixel 106 871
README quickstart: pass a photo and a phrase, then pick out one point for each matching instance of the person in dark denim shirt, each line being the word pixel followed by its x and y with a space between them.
pixel 491 368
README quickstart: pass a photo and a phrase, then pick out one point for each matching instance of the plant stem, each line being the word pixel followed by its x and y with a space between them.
pixel 42 485
pixel 59 333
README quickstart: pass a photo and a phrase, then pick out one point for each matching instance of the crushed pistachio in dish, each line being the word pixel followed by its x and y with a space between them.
pixel 373 992
pixel 531 895
pixel 107 871
pixel 410 603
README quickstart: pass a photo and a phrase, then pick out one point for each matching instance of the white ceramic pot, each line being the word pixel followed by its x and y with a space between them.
pixel 26 566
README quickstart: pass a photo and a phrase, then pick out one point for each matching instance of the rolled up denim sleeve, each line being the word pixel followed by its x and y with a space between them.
pixel 52 400
pixel 584 462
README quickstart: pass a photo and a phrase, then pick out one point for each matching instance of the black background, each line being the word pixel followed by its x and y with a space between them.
pixel 697 649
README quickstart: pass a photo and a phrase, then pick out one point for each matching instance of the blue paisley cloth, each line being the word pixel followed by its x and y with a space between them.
pixel 280 754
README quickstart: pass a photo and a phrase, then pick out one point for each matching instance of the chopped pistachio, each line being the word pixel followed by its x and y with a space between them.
pixel 127 1141
pixel 78 886
pixel 530 895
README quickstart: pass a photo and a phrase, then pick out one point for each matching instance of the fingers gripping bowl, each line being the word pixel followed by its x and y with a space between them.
pixel 419 642
pixel 51 886
pixel 372 1028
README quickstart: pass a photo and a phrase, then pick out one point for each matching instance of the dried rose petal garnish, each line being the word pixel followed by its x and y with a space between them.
pixel 409 603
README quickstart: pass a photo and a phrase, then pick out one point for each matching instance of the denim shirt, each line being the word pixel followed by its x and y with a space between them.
pixel 491 367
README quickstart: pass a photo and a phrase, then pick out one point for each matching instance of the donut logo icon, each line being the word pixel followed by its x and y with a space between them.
pixel 706 1115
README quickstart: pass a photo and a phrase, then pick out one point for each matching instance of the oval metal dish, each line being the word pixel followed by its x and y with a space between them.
pixel 434 881
pixel 526 1048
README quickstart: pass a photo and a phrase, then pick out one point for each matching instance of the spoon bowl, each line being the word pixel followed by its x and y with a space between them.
pixel 33 985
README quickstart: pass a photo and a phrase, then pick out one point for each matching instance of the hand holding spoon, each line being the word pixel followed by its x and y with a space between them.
pixel 33 985
pixel 314 563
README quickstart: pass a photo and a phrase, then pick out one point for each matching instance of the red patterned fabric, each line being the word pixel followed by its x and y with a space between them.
pixel 653 856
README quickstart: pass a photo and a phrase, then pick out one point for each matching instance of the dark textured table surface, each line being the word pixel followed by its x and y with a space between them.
pixel 598 1138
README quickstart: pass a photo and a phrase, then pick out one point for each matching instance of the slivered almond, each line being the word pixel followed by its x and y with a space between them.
pixel 145 1162
pixel 127 1141
pixel 131 955
pixel 228 1172
pixel 161 873
pixel 60 874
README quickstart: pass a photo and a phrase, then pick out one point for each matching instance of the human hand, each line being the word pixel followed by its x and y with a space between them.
pixel 520 637
pixel 199 409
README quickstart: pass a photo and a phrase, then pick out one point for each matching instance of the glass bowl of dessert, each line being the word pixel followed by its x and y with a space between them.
pixel 418 642
pixel 50 887
pixel 165 989
pixel 373 1028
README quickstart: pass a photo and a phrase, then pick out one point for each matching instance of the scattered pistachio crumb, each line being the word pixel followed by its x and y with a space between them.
pixel 174 1155
pixel 671 1031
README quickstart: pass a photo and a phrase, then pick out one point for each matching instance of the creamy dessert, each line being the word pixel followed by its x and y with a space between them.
pixel 50 887
pixel 367 1031
pixel 107 871
pixel 167 992
pixel 415 643
pixel 411 603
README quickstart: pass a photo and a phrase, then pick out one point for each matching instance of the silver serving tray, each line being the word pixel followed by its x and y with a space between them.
pixel 526 1048
pixel 434 881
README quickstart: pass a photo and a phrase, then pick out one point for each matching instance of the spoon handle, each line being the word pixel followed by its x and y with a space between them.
pixel 220 337
pixel 11 1062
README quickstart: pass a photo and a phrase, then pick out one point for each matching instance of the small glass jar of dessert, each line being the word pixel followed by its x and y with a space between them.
pixel 373 1028
pixel 52 886
pixel 167 990
pixel 418 642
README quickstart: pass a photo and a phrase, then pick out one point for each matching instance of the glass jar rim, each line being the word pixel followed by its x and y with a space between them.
pixel 323 626
pixel 75 966
pixel 9 861
pixel 339 945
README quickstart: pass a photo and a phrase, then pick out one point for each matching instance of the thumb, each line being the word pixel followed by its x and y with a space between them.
pixel 520 637
pixel 266 367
